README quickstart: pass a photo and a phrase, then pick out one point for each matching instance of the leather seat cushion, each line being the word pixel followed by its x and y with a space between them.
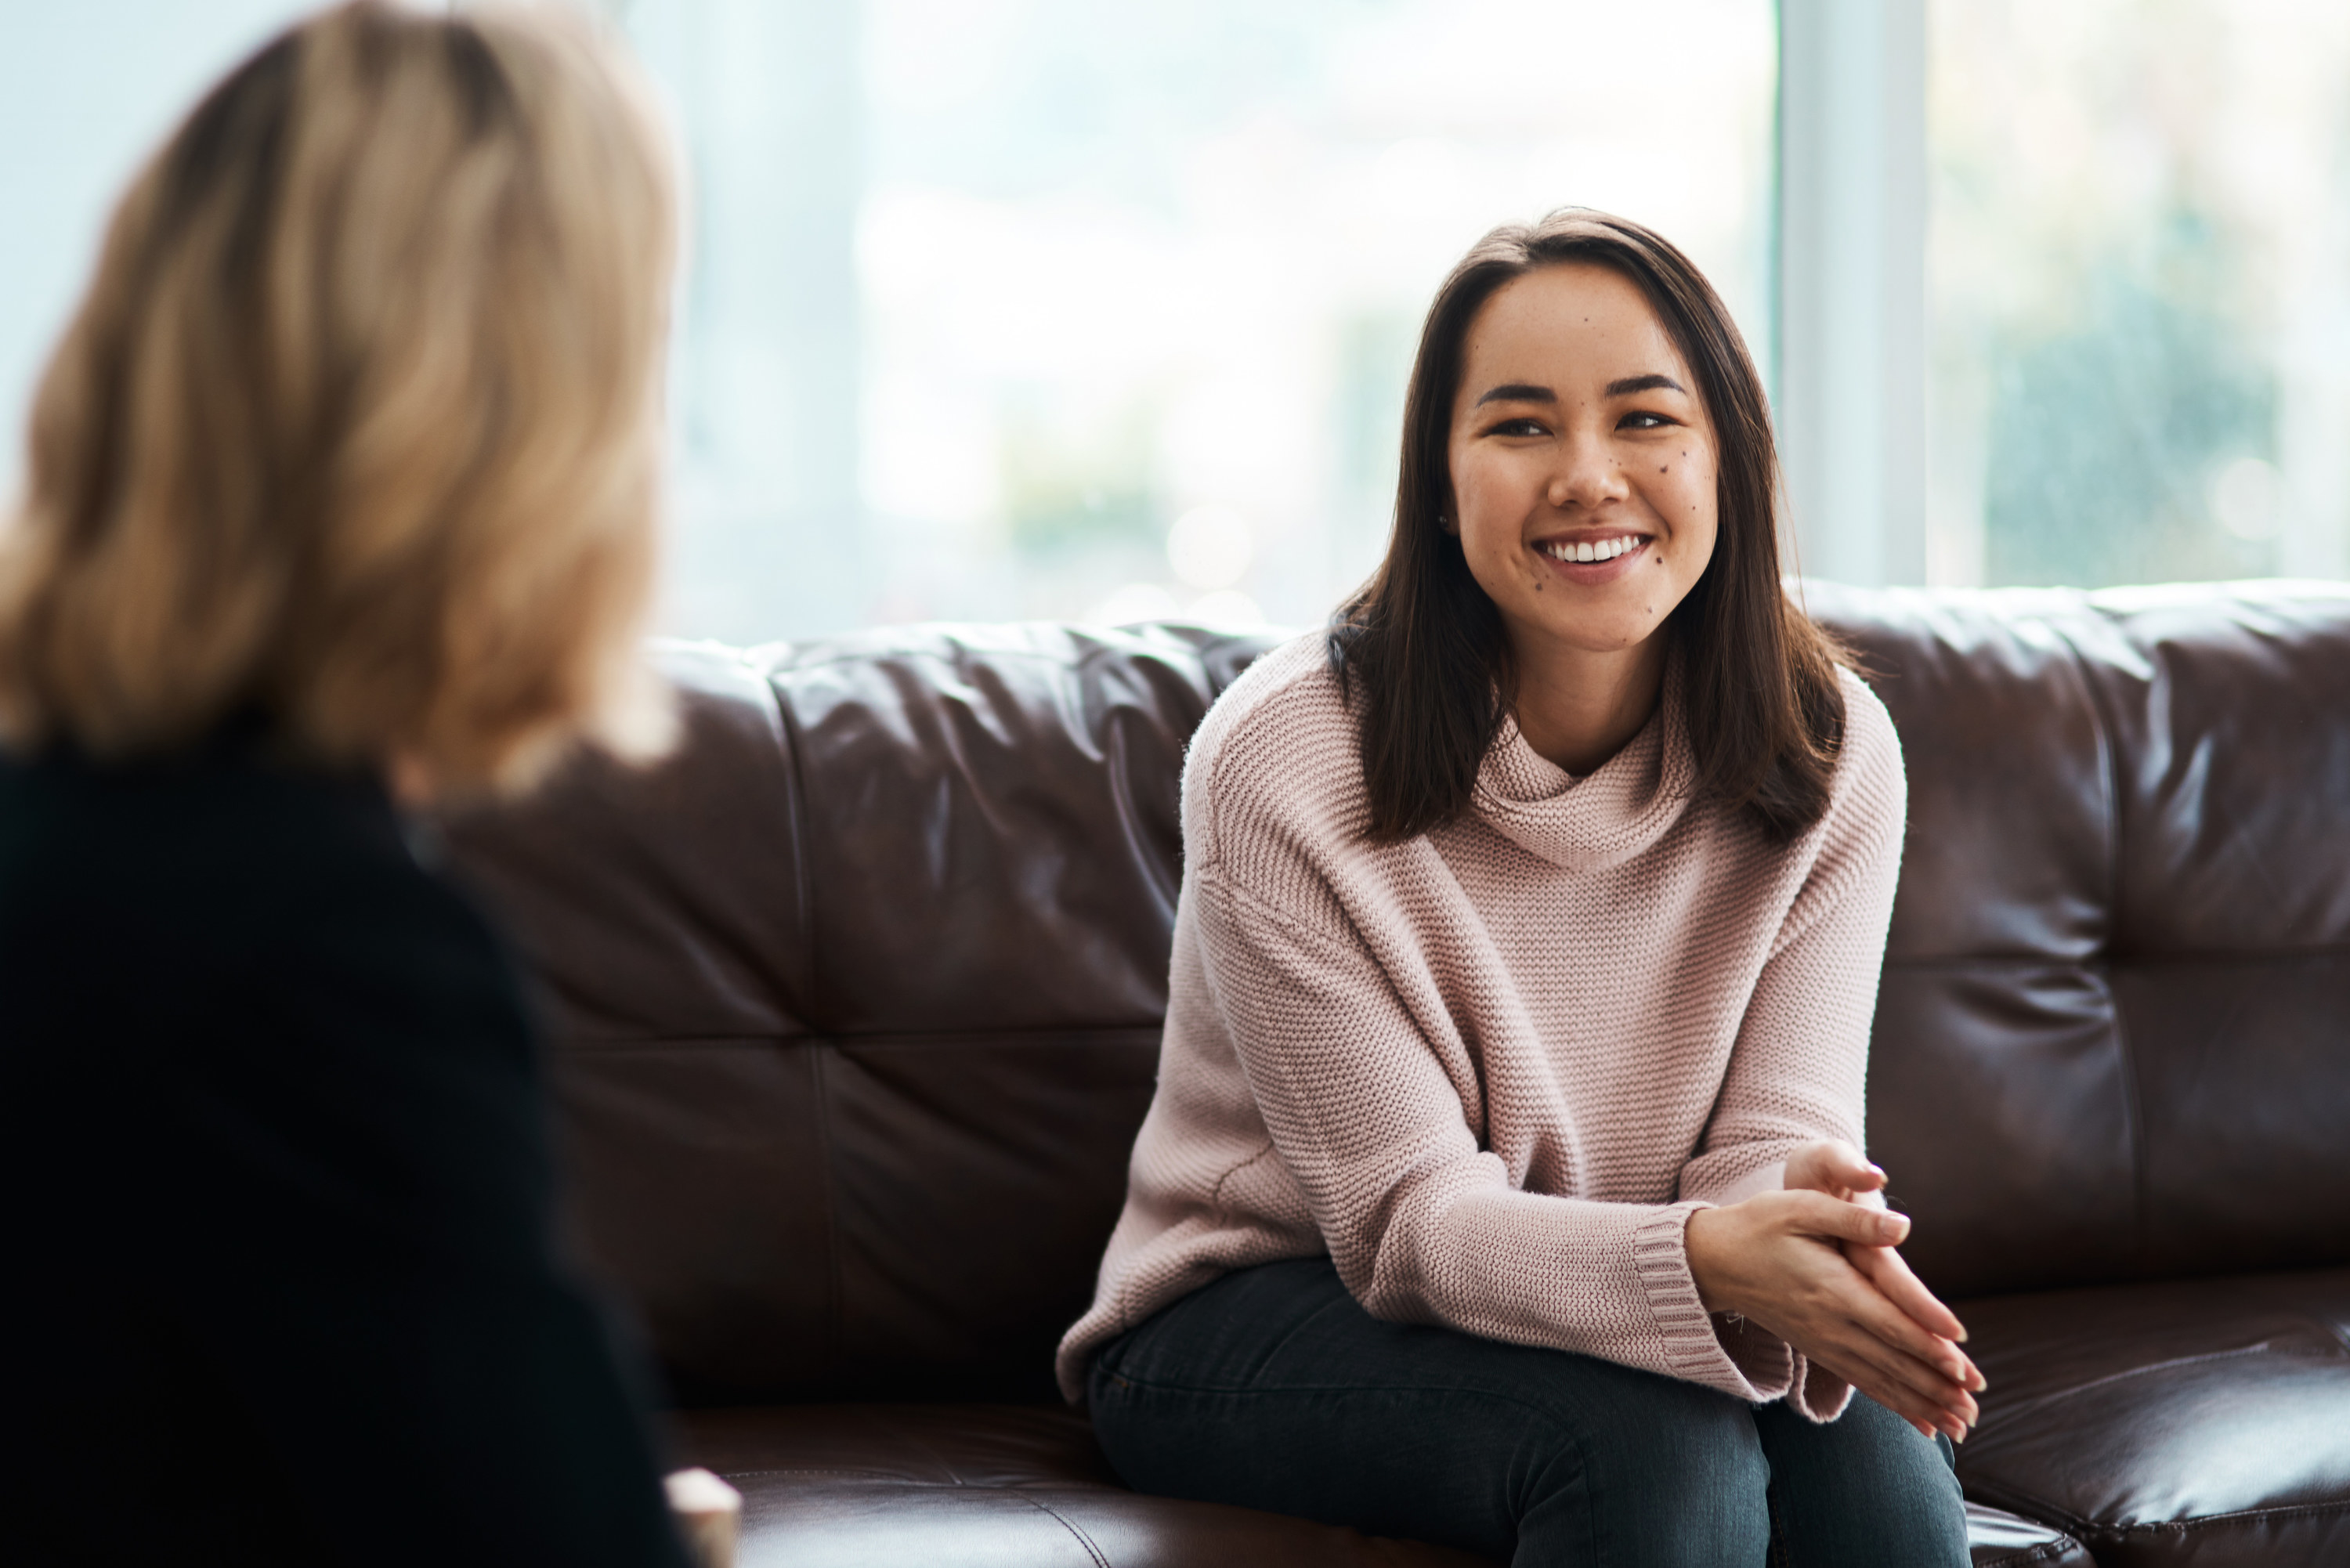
pixel 825 1486
pixel 1997 1539
pixel 2201 1421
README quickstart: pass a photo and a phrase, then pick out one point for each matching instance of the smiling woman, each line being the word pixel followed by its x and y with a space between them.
pixel 1588 365
pixel 1553 482
pixel 1503 1185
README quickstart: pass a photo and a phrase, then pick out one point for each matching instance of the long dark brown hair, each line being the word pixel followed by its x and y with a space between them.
pixel 1420 649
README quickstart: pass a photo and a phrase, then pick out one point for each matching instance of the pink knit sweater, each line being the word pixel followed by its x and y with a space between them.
pixel 1492 1070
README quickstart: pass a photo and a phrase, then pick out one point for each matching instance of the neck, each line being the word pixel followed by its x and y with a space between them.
pixel 1577 708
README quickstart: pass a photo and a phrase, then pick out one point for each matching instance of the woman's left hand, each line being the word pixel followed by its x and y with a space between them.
pixel 1836 1169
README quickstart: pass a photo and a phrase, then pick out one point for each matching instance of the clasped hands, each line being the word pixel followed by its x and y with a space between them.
pixel 1814 1264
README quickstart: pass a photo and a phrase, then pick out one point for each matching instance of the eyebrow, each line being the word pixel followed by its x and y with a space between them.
pixel 1525 392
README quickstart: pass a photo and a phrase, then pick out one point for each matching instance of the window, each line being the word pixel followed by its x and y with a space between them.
pixel 2140 290
pixel 1051 309
pixel 1002 308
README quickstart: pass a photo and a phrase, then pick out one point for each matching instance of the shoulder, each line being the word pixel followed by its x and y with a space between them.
pixel 1869 793
pixel 1289 693
pixel 369 941
pixel 334 872
pixel 1854 849
pixel 1280 744
pixel 220 872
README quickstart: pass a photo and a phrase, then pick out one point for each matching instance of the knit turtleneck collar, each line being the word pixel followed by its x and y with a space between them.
pixel 1604 817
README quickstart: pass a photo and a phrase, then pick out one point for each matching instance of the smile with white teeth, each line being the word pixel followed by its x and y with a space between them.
pixel 1604 550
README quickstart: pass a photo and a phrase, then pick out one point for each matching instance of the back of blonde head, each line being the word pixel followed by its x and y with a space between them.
pixel 358 429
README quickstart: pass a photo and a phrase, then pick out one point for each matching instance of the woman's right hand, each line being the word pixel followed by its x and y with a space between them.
pixel 1777 1258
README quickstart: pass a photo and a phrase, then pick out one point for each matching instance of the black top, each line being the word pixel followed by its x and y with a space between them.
pixel 272 1144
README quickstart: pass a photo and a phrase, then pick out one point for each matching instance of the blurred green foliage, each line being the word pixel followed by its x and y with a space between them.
pixel 2105 434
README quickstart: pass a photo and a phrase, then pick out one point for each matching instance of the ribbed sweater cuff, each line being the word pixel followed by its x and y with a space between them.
pixel 1818 1394
pixel 1661 1258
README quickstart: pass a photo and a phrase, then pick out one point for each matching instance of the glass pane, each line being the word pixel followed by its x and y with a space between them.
pixel 2140 290
pixel 1009 308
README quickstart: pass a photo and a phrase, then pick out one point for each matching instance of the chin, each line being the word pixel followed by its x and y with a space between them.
pixel 1600 634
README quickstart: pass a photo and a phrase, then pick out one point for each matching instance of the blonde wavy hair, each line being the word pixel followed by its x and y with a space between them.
pixel 358 429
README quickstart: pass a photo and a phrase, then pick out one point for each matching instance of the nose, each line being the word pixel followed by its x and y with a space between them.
pixel 1587 476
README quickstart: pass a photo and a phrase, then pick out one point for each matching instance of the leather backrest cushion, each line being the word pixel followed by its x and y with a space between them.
pixel 2114 1036
pixel 856 999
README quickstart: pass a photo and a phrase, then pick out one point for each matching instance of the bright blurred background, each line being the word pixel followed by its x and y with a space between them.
pixel 1068 309
pixel 1009 308
pixel 2139 272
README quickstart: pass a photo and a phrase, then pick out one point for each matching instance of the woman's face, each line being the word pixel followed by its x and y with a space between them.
pixel 1583 463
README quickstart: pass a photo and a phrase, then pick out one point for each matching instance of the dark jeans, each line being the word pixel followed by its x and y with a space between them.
pixel 1272 1388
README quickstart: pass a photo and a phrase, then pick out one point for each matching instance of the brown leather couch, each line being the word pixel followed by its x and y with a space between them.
pixel 856 1003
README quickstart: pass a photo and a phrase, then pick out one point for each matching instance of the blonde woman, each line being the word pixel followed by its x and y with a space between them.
pixel 341 496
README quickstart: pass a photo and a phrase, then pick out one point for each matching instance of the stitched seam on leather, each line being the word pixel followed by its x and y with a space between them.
pixel 2103 725
pixel 2106 727
pixel 898 1476
pixel 1121 778
pixel 2133 1107
pixel 2090 1532
pixel 1093 655
pixel 835 1313
pixel 2206 1520
pixel 2047 1551
pixel 804 900
pixel 937 1459
pixel 955 1039
pixel 803 888
pixel 1083 1539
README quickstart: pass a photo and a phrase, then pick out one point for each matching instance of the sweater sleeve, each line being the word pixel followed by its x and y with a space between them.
pixel 1798 1073
pixel 1366 1098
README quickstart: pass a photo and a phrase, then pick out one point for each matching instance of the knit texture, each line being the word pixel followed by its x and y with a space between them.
pixel 1492 1070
